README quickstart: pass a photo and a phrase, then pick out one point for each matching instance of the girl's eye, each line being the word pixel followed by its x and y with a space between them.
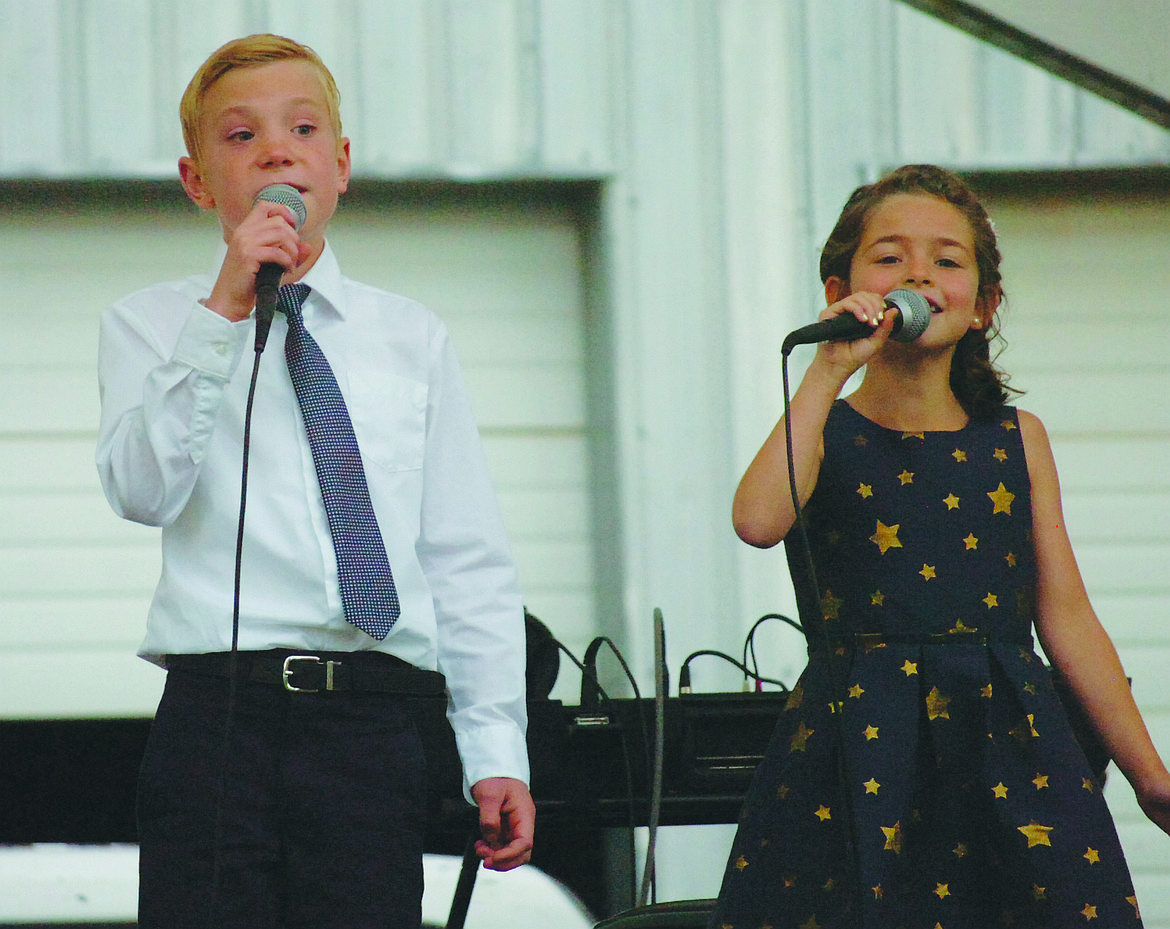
pixel 888 260
pixel 948 263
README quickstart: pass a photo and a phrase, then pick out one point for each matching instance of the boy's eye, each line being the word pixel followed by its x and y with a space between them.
pixel 241 135
pixel 305 129
pixel 948 263
pixel 888 259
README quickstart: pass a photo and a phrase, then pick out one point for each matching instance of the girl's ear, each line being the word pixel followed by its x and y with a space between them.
pixel 985 307
pixel 836 289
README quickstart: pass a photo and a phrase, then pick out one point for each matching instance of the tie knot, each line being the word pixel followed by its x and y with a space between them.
pixel 290 297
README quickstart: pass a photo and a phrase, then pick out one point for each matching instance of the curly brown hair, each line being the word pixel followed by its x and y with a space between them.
pixel 979 386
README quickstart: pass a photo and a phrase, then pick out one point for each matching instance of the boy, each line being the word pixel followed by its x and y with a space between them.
pixel 283 784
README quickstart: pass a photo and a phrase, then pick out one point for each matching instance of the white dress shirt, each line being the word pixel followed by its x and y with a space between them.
pixel 173 398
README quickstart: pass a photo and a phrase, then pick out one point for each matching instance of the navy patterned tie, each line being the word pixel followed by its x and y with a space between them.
pixel 367 586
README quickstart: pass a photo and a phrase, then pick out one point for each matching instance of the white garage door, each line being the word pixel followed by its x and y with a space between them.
pixel 501 266
pixel 1087 277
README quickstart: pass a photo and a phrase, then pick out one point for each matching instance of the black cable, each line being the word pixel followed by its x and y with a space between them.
pixel 233 659
pixel 837 690
pixel 749 642
pixel 684 676
pixel 605 698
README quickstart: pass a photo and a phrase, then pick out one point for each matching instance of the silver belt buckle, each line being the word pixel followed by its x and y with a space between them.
pixel 287 671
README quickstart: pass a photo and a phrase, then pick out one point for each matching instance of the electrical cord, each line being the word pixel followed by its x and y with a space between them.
pixel 684 674
pixel 749 642
pixel 589 673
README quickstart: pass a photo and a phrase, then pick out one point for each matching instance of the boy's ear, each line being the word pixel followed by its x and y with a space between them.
pixel 344 166
pixel 193 184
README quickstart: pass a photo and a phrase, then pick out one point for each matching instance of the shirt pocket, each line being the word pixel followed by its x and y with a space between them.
pixel 389 419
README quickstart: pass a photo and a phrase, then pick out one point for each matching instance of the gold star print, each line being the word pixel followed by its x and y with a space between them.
pixel 893 836
pixel 886 537
pixel 811 924
pixel 878 893
pixel 999 455
pixel 986 692
pixel 971 542
pixel 1036 834
pixel 1008 425
pixel 960 627
pixel 799 740
pixel 909 667
pixel 865 490
pixel 914 435
pixel 741 863
pixel 871 786
pixel 1002 498
pixel 959 455
pixel 831 605
pixel 1021 733
pixel 991 600
pixel 1030 688
pixel 871 733
pixel 960 850
pixel 937 704
pixel 860 441
pixel 927 572
pixel 1087 784
pixel 906 477
pixel 1092 856
pixel 877 599
pixel 1000 791
pixel 823 813
pixel 1132 901
pixel 795 697
pixel 856 691
pixel 951 501
pixel 782 792
pixel 1038 892
pixel 1089 912
pixel 1040 780
pixel 942 891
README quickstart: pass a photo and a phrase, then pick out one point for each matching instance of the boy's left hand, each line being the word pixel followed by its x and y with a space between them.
pixel 507 819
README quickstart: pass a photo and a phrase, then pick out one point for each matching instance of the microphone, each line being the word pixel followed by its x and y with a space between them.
pixel 913 316
pixel 270 273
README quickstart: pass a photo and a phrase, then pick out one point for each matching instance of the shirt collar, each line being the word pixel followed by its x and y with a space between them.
pixel 324 278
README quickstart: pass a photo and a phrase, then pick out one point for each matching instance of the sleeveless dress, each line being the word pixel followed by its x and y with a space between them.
pixel 971 804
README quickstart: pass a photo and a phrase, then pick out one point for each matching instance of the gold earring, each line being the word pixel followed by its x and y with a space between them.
pixel 977 323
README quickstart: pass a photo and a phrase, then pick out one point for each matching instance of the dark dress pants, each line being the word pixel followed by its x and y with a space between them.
pixel 313 817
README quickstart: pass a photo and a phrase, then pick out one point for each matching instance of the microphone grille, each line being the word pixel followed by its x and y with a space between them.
pixel 915 312
pixel 285 195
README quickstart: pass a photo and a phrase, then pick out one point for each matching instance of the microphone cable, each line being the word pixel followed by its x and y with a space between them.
pixel 264 312
pixel 837 690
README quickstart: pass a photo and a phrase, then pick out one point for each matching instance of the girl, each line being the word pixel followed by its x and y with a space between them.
pixel 924 773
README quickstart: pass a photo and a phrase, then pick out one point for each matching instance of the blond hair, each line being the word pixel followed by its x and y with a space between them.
pixel 249 52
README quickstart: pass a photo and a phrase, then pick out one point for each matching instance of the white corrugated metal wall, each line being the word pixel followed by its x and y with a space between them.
pixel 724 134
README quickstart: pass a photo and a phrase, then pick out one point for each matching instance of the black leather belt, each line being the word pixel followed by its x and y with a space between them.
pixel 310 672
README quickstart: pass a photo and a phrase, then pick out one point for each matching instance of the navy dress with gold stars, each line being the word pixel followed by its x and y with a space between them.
pixel 971 803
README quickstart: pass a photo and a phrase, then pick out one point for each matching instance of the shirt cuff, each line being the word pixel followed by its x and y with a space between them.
pixel 211 343
pixel 492 751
